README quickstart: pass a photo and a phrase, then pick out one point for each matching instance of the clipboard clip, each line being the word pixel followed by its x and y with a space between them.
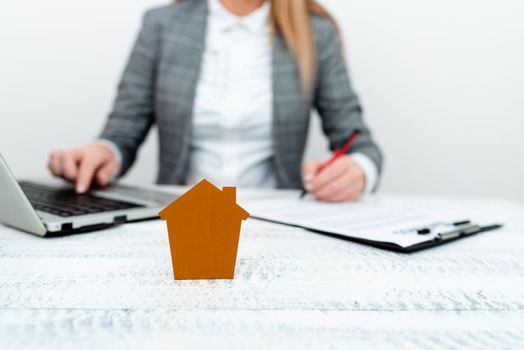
pixel 433 227
pixel 463 230
pixel 456 229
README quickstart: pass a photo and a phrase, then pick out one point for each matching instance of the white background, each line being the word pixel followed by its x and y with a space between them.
pixel 442 83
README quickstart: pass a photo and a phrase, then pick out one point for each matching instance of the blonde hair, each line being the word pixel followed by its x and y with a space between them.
pixel 291 19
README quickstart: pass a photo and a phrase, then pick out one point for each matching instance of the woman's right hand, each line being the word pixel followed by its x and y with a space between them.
pixel 84 164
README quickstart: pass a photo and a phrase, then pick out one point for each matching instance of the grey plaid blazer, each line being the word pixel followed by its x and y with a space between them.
pixel 159 83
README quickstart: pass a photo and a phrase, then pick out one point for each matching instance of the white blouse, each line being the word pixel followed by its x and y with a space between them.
pixel 232 116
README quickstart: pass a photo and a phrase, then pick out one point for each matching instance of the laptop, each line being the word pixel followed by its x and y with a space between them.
pixel 47 208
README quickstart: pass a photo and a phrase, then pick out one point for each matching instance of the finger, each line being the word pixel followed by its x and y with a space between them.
pixel 50 163
pixel 340 196
pixel 78 154
pixel 106 172
pixel 351 194
pixel 345 188
pixel 54 164
pixel 356 185
pixel 69 166
pixel 310 168
pixel 328 174
pixel 333 188
pixel 86 171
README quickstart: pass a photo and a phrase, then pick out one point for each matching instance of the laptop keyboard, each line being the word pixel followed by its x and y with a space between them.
pixel 66 202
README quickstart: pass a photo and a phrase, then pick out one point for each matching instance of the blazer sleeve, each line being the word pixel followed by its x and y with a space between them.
pixel 334 98
pixel 133 111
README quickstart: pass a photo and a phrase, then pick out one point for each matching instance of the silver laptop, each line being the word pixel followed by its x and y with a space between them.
pixel 53 208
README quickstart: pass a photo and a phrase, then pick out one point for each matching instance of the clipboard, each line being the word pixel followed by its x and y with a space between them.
pixel 430 243
pixel 403 229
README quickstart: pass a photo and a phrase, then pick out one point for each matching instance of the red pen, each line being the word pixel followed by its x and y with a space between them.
pixel 339 152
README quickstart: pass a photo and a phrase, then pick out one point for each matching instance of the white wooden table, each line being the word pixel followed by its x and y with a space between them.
pixel 114 289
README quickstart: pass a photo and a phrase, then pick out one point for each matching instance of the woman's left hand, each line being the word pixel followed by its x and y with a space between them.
pixel 341 181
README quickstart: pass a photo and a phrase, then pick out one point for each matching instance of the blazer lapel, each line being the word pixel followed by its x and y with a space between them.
pixel 188 37
pixel 183 56
pixel 289 124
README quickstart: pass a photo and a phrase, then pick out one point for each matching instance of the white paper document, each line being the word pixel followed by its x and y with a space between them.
pixel 369 219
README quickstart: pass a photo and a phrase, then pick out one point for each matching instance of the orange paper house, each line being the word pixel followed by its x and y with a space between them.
pixel 204 228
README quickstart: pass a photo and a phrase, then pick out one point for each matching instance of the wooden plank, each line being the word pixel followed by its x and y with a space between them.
pixel 292 288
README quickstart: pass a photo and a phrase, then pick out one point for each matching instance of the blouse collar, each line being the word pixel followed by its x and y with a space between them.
pixel 255 22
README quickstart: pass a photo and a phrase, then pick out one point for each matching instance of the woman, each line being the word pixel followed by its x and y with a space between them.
pixel 231 85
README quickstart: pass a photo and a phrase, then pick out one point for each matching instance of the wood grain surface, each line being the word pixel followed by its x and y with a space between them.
pixel 292 289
